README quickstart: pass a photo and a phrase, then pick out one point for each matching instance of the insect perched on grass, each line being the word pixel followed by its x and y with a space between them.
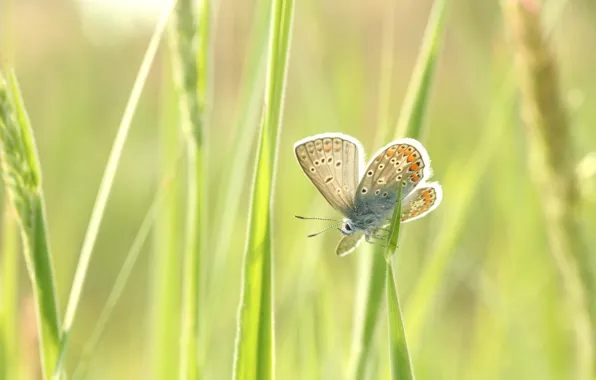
pixel 334 163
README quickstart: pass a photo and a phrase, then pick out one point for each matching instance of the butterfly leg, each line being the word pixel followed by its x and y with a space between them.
pixel 369 241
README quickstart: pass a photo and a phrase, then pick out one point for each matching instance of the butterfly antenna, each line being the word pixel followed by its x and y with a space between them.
pixel 320 232
pixel 305 218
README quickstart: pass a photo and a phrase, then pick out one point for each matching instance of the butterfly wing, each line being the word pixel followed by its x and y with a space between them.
pixel 404 160
pixel 348 243
pixel 421 201
pixel 332 162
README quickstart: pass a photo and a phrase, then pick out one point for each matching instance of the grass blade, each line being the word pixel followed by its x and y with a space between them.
pixel 409 124
pixel 107 181
pixel 191 48
pixel 22 178
pixel 399 357
pixel 254 352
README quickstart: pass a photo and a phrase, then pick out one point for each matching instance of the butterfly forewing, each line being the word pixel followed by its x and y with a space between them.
pixel 402 161
pixel 332 162
pixel 421 201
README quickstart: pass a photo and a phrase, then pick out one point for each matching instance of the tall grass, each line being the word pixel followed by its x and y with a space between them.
pixel 459 205
pixel 410 123
pixel 22 178
pixel 254 355
pixel 553 169
pixel 191 48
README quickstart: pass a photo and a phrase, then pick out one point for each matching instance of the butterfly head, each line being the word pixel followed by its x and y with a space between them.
pixel 348 228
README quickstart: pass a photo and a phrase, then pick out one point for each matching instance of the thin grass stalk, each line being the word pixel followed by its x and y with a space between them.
pixel 191 49
pixel 399 357
pixel 253 79
pixel 553 170
pixel 107 182
pixel 165 282
pixel 409 124
pixel 254 356
pixel 9 348
pixel 419 306
pixel 133 254
pixel 22 178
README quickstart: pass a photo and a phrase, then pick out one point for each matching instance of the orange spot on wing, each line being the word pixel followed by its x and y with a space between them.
pixel 401 149
pixel 328 148
pixel 391 152
pixel 379 157
pixel 415 166
pixel 415 177
pixel 411 158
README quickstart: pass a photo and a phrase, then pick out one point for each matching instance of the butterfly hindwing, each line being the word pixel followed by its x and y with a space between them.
pixel 348 243
pixel 404 161
pixel 421 201
pixel 332 162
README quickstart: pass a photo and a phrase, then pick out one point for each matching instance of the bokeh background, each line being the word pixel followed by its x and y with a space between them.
pixel 497 308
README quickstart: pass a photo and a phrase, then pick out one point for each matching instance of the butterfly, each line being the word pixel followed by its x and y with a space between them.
pixel 366 198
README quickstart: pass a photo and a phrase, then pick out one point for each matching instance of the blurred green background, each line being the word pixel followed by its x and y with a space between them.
pixel 498 308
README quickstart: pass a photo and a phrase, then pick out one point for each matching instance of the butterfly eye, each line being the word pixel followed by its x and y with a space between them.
pixel 347 227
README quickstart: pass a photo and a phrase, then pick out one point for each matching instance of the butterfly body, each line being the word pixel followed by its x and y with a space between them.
pixel 366 198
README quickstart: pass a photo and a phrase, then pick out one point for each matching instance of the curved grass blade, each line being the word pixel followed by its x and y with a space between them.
pixel 9 287
pixel 106 183
pixel 22 178
pixel 124 274
pixel 254 356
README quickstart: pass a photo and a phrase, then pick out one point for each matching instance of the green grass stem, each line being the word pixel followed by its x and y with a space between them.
pixel 191 52
pixel 254 356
